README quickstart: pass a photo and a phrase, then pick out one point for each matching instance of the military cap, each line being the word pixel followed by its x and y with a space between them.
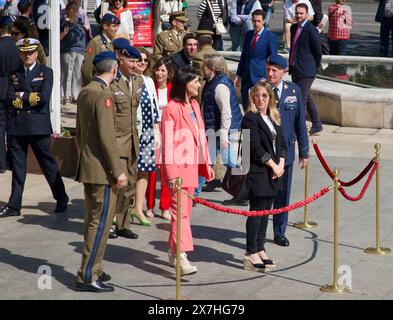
pixel 204 33
pixel 277 60
pixel 124 48
pixel 27 44
pixel 104 55
pixel 110 18
pixel 5 21
pixel 178 15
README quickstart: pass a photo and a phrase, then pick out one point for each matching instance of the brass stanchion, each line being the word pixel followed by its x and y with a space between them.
pixel 335 287
pixel 377 249
pixel 306 224
pixel 178 229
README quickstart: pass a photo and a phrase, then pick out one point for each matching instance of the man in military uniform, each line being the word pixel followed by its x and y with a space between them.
pixel 99 169
pixel 293 124
pixel 9 63
pixel 125 89
pixel 102 42
pixel 28 123
pixel 170 41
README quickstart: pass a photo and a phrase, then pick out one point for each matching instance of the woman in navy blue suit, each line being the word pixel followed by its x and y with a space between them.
pixel 267 158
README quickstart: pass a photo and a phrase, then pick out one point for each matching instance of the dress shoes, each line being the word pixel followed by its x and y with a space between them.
pixel 95 286
pixel 281 241
pixel 235 202
pixel 9 212
pixel 62 204
pixel 126 233
pixel 104 277
pixel 315 130
pixel 257 267
pixel 2 170
pixel 212 185
pixel 113 234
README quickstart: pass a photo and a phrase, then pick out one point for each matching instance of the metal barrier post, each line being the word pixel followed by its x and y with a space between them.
pixel 178 229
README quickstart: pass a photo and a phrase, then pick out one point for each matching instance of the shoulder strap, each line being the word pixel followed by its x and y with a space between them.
pixel 211 10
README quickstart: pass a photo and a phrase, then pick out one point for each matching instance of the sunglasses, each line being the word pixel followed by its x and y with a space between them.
pixel 143 60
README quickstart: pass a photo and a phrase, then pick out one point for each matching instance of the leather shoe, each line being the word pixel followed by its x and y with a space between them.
pixel 62 204
pixel 235 202
pixel 315 130
pixel 9 212
pixel 126 233
pixel 282 241
pixel 113 234
pixel 212 185
pixel 95 286
pixel 104 277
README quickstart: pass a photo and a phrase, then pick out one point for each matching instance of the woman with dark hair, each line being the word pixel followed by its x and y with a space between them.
pixel 162 76
pixel 184 155
pixel 267 158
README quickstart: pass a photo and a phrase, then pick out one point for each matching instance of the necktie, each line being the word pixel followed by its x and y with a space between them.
pixel 293 47
pixel 276 94
pixel 254 41
pixel 27 72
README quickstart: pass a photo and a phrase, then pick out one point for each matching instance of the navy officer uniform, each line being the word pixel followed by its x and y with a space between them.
pixel 28 123
pixel 293 125
pixel 9 63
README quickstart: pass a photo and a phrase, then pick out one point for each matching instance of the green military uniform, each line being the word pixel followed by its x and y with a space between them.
pixel 98 167
pixel 167 43
pixel 127 95
pixel 96 45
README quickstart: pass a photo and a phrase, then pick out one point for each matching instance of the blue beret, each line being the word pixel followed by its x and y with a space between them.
pixel 105 55
pixel 5 21
pixel 124 47
pixel 110 18
pixel 277 60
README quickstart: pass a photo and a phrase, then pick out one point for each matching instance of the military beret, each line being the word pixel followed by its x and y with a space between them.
pixel 27 44
pixel 5 21
pixel 124 47
pixel 178 15
pixel 110 18
pixel 105 55
pixel 204 33
pixel 277 60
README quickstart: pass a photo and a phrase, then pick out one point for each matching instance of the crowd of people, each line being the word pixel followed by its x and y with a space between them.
pixel 174 111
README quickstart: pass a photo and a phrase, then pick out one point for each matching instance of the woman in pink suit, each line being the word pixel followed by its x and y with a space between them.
pixel 184 155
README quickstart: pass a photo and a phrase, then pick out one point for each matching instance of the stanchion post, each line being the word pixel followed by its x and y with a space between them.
pixel 335 287
pixel 378 249
pixel 305 224
pixel 178 230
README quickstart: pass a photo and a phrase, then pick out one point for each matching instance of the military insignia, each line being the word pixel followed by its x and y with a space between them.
pixel 41 74
pixel 37 79
pixel 285 86
pixel 293 91
pixel 14 79
pixel 290 99
pixel 26 42
pixel 108 103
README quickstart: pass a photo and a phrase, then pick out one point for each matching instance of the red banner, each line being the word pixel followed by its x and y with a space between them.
pixel 143 22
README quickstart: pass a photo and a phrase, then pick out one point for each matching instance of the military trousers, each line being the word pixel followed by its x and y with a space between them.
pixel 100 211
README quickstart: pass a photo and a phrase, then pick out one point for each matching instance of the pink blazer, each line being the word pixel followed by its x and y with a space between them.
pixel 183 154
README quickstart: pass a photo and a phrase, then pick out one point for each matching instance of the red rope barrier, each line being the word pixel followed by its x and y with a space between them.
pixel 330 173
pixel 294 206
pixel 365 187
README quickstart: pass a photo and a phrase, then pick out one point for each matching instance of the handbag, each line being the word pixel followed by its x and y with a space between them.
pixel 219 24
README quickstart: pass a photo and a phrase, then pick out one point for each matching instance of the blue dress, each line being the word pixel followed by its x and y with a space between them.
pixel 146 159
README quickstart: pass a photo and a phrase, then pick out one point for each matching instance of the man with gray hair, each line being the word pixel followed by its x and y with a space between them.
pixel 99 169
pixel 221 112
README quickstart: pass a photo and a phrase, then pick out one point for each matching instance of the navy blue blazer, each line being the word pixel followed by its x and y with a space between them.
pixel 308 52
pixel 252 61
pixel 34 117
pixel 293 122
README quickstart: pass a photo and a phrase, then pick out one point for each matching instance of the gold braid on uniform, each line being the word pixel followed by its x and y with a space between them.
pixel 18 103
pixel 34 99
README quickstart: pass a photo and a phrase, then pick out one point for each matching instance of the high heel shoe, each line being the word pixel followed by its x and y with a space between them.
pixel 250 266
pixel 268 262
pixel 142 221
pixel 166 215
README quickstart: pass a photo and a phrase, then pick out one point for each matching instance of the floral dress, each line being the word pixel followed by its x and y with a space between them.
pixel 146 159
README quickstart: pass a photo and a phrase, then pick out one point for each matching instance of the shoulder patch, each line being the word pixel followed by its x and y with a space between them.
pixel 108 103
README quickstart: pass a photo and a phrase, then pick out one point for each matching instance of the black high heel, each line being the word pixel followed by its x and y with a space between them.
pixel 250 266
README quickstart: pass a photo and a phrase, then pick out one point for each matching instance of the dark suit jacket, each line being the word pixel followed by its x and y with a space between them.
pixel 308 51
pixel 32 119
pixel 9 63
pixel 293 122
pixel 252 61
pixel 259 178
pixel 380 11
pixel 180 60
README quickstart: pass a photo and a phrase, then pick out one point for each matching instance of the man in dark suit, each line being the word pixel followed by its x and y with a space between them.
pixel 184 57
pixel 28 123
pixel 304 59
pixel 258 45
pixel 9 63
pixel 293 126
pixel 385 17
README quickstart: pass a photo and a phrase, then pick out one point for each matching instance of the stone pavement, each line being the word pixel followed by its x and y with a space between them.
pixel 139 267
